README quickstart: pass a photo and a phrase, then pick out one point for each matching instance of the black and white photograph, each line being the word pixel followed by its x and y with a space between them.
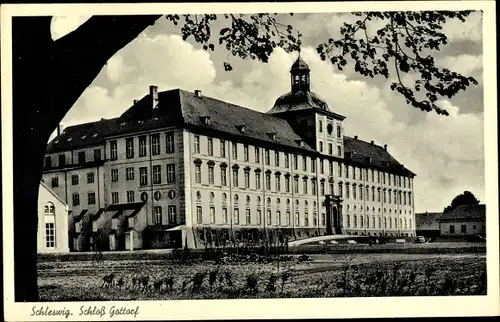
pixel 170 157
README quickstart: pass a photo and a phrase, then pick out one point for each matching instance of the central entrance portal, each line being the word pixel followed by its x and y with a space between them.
pixel 333 205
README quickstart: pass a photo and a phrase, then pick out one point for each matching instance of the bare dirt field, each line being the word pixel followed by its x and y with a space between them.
pixel 329 275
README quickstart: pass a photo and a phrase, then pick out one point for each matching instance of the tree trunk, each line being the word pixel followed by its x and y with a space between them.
pixel 48 77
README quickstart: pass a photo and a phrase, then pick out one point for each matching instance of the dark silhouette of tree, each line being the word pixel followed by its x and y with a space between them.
pixel 49 76
pixel 465 199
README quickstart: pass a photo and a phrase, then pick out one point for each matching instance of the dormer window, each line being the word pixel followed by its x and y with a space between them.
pixel 94 135
pixel 205 120
pixel 122 124
pixel 69 139
pixel 300 142
pixel 272 135
pixel 83 137
pixel 241 128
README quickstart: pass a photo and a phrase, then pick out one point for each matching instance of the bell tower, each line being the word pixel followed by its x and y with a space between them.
pixel 299 72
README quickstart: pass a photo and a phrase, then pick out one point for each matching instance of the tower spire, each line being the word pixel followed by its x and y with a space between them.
pixel 300 73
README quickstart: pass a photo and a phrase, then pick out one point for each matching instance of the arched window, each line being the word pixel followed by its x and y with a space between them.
pixel 50 225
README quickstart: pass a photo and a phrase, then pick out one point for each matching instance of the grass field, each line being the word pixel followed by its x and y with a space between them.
pixel 329 275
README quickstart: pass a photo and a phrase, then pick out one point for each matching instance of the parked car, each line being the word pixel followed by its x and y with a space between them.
pixel 420 240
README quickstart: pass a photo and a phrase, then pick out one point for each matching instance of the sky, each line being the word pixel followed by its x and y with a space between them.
pixel 445 152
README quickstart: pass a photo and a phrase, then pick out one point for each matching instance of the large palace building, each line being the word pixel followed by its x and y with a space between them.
pixel 179 168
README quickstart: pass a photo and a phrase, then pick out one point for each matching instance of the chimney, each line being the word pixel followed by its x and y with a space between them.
pixel 355 137
pixel 385 147
pixel 135 102
pixel 153 91
pixel 60 129
pixel 372 142
pixel 197 93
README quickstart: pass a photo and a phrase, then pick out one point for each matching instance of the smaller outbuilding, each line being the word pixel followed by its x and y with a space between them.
pixel 52 222
pixel 464 221
pixel 426 224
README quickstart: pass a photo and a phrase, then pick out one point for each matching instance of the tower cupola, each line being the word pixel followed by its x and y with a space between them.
pixel 300 76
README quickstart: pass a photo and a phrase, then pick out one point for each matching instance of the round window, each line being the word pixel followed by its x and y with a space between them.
pixel 157 195
pixel 144 196
pixel 171 194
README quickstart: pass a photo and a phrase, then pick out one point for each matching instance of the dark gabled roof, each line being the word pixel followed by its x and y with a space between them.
pixel 82 135
pixel 80 215
pixel 372 155
pixel 228 118
pixel 97 214
pixel 465 212
pixel 181 108
pixel 427 220
pixel 125 206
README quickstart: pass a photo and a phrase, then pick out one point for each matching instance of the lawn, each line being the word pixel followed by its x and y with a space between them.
pixel 331 275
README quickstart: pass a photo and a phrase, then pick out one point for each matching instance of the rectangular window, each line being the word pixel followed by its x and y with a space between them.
pixel 143 176
pixel 287 184
pixel 130 196
pixel 313 187
pixel 257 180
pixel 322 188
pixel 269 217
pixel 295 162
pixel 278 183
pixel 129 143
pixel 157 215
pixel 224 215
pixel 346 172
pixel 248 217
pixel 211 176
pixel 114 175
pixel 331 188
pixel 245 152
pixel 297 219
pixel 266 157
pixel 452 229
pixel 236 216
pixel 235 150
pixel 157 174
pixel 288 219
pixel 339 131
pixel 171 173
pixel 55 182
pixel 340 170
pixel 50 235
pixel 222 148
pixel 277 158
pixel 347 192
pixel 114 198
pixel 320 146
pixel 235 178
pixel 196 144
pixel 278 218
pixel 142 146
pixel 259 217
pixel 212 215
pixel 247 179
pixel 268 181
pixel 81 157
pixel 90 177
pixel 172 215
pixel 339 150
pixel 257 155
pixel 313 165
pixel 97 155
pixel 330 149
pixel 62 160
pixel 223 177
pixel 306 219
pixel 296 184
pixel 197 173
pixel 304 191
pixel 199 215
pixel 210 146
pixel 169 143
pixel 287 160
pixel 91 198
pixel 129 172
pixel 304 163
pixel 320 126
pixel 354 173
pixel 463 229
pixel 74 180
pixel 113 150
pixel 155 144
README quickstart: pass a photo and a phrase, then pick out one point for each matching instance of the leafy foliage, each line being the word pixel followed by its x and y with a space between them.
pixel 404 45
pixel 465 199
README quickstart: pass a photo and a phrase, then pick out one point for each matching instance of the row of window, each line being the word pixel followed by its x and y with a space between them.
pixel 330 148
pixel 399 197
pixel 329 129
pixel 364 222
pixel 81 158
pixel 154 146
pixel 158 215
pixel 277 221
